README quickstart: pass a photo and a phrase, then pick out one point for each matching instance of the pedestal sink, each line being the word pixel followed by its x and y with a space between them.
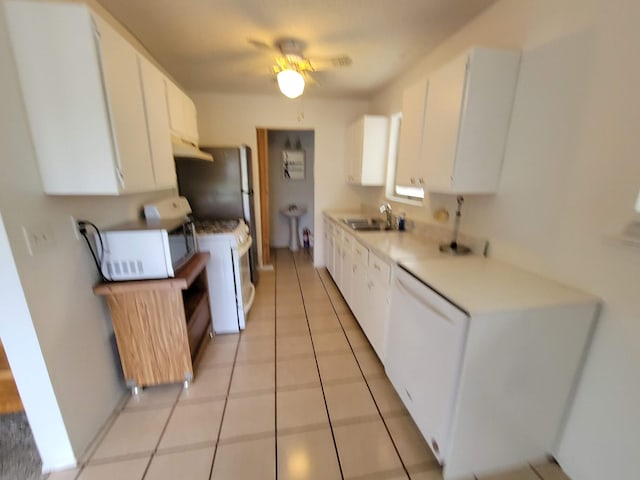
pixel 293 213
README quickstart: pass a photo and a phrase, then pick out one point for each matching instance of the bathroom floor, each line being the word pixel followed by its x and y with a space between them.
pixel 299 394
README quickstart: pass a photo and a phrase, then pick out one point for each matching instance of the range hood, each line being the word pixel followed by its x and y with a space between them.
pixel 185 149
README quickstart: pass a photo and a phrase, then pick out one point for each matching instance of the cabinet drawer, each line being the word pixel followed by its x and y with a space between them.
pixel 379 269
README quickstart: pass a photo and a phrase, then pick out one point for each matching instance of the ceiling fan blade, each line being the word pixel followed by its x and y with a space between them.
pixel 262 45
pixel 311 80
pixel 331 63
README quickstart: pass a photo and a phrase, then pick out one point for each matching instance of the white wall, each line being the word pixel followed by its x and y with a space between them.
pixel 570 177
pixel 28 366
pixel 233 119
pixel 283 191
pixel 70 325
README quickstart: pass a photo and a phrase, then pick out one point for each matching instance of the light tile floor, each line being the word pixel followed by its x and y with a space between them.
pixel 299 394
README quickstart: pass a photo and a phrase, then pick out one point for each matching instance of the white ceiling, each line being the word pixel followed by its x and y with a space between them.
pixel 205 44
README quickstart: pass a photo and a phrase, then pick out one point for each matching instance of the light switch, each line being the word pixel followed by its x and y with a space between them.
pixel 38 238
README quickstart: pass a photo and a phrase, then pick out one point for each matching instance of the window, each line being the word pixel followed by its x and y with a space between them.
pixel 399 193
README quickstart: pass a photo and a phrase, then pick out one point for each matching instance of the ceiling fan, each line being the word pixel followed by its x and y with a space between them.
pixel 293 69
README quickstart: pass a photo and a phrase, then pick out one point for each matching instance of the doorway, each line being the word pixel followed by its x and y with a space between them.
pixel 286 169
pixel 9 397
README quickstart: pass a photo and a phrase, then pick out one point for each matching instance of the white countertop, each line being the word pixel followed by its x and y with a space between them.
pixel 393 245
pixel 476 284
pixel 482 285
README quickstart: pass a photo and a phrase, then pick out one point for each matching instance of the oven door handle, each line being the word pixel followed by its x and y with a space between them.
pixel 244 248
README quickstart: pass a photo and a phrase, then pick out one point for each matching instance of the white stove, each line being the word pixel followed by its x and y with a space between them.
pixel 231 292
pixel 232 229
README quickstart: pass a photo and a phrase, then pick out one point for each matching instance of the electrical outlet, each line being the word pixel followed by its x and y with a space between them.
pixel 74 226
pixel 38 238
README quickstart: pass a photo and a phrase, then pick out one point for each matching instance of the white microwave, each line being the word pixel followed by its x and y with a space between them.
pixel 146 249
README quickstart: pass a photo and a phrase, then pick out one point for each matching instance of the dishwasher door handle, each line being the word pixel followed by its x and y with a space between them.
pixel 401 285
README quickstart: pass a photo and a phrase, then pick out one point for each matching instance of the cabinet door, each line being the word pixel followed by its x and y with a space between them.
pixel 379 274
pixel 374 147
pixel 414 101
pixel 359 289
pixel 190 116
pixel 328 245
pixel 442 122
pixel 182 113
pixel 353 151
pixel 467 121
pixel 157 117
pixel 174 105
pixel 61 80
pixel 423 358
pixel 337 260
pixel 348 269
pixel 126 107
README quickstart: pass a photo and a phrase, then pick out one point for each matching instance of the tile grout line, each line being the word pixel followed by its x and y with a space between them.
pixel 324 397
pixel 531 467
pixel 275 362
pixel 395 447
pixel 100 436
pixel 224 409
pixel 164 429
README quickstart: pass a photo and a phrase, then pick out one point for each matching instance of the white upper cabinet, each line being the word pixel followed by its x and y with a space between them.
pixel 125 103
pixel 83 91
pixel 182 114
pixel 157 116
pixel 366 150
pixel 467 120
pixel 409 171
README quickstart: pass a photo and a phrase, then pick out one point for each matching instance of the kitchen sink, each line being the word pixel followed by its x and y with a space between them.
pixel 365 224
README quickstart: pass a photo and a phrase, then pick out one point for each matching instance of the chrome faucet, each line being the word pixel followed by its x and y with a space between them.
pixel 386 209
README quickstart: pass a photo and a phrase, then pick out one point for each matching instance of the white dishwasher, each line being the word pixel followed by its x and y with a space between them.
pixel 424 356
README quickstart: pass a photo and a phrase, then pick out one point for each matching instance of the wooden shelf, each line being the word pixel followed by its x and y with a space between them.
pixel 160 324
pixel 183 279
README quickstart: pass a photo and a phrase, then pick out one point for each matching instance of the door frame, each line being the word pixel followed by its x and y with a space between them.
pixel 262 137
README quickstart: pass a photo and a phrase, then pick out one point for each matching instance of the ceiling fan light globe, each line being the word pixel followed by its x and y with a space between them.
pixel 291 83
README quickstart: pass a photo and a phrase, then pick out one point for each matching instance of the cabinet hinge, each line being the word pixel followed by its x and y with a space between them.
pixel 120 176
pixel 96 30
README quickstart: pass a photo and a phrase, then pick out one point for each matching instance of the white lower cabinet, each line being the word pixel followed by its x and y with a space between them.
pixel 337 258
pixel 376 316
pixel 359 291
pixel 328 246
pixel 364 280
pixel 346 260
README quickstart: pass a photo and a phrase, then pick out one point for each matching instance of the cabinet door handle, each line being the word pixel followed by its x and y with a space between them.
pixel 422 301
pixel 377 267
